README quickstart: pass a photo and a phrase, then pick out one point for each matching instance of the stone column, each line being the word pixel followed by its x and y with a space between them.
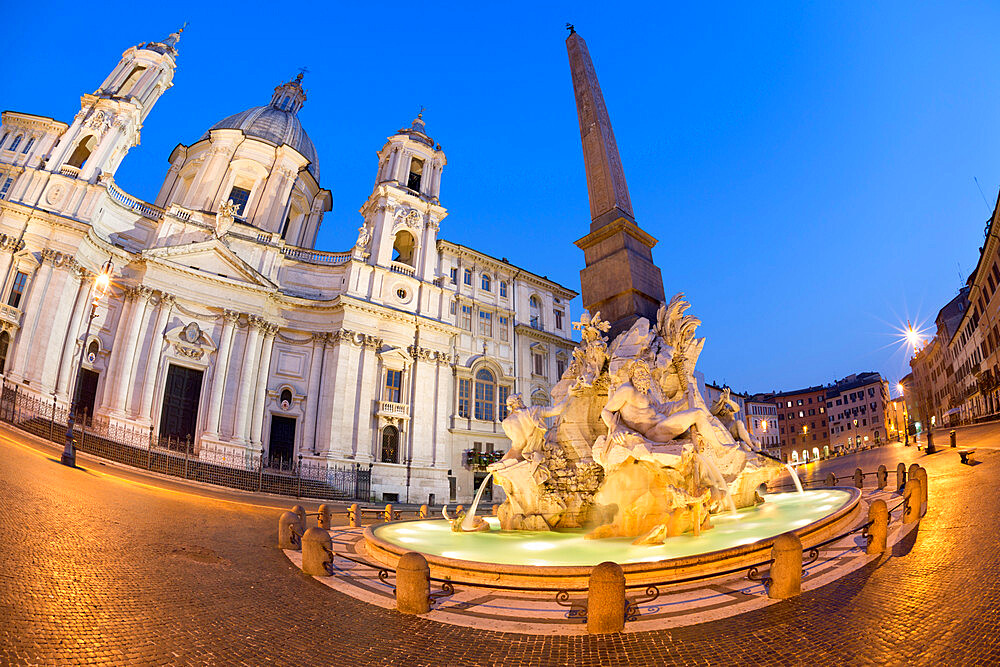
pixel 153 358
pixel 131 392
pixel 263 367
pixel 30 307
pixel 126 360
pixel 117 345
pixel 229 322
pixel 312 392
pixel 80 311
pixel 248 373
pixel 74 290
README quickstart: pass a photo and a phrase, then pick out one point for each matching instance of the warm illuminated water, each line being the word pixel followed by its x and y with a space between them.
pixel 782 512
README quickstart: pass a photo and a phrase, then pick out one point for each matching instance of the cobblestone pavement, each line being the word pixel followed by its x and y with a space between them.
pixel 99 567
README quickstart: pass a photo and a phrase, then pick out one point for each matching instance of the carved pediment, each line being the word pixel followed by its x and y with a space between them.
pixel 212 257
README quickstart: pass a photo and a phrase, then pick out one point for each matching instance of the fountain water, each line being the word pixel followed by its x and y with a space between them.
pixel 795 478
pixel 469 522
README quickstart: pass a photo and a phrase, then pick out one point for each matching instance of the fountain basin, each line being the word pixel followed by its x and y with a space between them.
pixel 533 559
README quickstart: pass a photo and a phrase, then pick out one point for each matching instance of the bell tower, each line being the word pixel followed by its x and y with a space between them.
pixel 109 120
pixel 403 213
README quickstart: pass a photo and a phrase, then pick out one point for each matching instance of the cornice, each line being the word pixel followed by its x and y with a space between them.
pixel 555 339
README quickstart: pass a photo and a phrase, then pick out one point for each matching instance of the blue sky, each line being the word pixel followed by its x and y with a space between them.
pixel 807 168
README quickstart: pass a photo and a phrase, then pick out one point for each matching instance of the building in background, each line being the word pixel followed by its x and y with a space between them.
pixel 802 425
pixel 226 327
pixel 933 370
pixel 761 416
pixel 857 412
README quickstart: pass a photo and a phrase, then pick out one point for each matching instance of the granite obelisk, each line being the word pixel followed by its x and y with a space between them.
pixel 619 279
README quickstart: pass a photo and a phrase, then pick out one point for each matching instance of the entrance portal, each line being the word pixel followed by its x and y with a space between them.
pixel 179 417
pixel 281 445
pixel 86 392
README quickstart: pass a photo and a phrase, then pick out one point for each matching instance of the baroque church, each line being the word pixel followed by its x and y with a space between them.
pixel 225 325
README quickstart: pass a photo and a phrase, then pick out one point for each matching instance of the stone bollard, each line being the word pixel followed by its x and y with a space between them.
pixel 325 517
pixel 831 479
pixel 413 584
pixel 786 570
pixel 912 495
pixel 387 513
pixel 912 472
pixel 859 478
pixel 286 522
pixel 929 449
pixel 316 545
pixel 878 532
pixel 882 477
pixel 922 476
pixel 496 508
pixel 353 518
pixel 900 476
pixel 954 438
pixel 301 512
pixel 606 599
pixel 423 512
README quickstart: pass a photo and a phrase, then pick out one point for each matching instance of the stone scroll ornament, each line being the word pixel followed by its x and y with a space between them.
pixel 635 451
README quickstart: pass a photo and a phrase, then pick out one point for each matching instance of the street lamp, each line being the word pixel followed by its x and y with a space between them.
pixel 102 281
pixel 906 420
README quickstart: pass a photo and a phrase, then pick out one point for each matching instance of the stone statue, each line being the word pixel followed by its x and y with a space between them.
pixel 526 427
pixel 631 409
pixel 725 410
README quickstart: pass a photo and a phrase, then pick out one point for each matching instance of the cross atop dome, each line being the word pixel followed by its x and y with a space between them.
pixel 167 45
pixel 290 96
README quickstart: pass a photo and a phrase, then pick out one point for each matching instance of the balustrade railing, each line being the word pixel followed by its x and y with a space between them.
pixel 316 256
pixel 128 201
pixel 404 269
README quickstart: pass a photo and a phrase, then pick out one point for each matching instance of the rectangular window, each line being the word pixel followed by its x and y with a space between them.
pixel 484 399
pixel 559 318
pixel 464 395
pixel 452 308
pixel 503 289
pixel 485 323
pixel 17 289
pixel 454 275
pixel 467 277
pixel 560 367
pixel 466 322
pixel 502 325
pixel 240 197
pixel 6 187
pixel 537 363
pixel 503 394
pixel 393 386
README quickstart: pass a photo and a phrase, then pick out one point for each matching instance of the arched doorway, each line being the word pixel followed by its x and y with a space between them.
pixel 390 445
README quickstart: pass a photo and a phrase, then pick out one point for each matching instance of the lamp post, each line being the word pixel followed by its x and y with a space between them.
pixel 97 290
pixel 906 421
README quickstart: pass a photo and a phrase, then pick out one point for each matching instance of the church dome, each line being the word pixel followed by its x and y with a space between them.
pixel 276 123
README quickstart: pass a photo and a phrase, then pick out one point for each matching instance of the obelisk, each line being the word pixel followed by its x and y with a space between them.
pixel 619 279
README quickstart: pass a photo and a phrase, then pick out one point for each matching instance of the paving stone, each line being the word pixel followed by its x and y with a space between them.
pixel 100 570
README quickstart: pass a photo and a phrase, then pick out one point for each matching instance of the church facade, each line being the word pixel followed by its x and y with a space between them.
pixel 225 325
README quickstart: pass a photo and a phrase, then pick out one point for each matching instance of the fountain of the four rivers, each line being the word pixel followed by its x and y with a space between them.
pixel 637 468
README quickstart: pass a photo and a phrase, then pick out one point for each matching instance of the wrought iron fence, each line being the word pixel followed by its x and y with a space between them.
pixel 140 447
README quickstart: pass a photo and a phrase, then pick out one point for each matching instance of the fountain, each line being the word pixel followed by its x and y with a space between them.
pixel 637 469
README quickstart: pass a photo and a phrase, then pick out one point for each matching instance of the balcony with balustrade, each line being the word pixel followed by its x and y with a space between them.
pixel 391 409
pixel 10 314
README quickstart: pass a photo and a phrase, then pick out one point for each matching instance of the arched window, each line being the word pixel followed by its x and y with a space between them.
pixel 416 174
pixel 390 444
pixel 3 139
pixel 795 457
pixel 17 142
pixel 535 312
pixel 284 103
pixel 486 386
pixel 82 152
pixel 815 452
pixel 403 247
pixel 805 455
pixel 539 397
pixel 133 78
pixel 826 451
pixel 285 398
pixel 27 146
pixel 486 284
pixel 4 346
